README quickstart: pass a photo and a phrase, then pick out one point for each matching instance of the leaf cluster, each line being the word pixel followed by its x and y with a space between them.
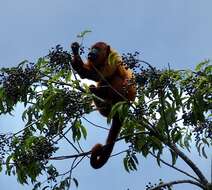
pixel 54 103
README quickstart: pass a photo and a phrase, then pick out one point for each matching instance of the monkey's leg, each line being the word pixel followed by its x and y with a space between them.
pixel 102 92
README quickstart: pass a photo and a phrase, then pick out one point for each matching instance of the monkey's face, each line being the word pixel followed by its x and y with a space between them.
pixel 99 53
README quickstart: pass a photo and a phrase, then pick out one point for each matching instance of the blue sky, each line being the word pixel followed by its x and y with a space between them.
pixel 177 32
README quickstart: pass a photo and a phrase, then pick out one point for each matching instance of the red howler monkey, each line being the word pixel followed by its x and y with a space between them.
pixel 112 86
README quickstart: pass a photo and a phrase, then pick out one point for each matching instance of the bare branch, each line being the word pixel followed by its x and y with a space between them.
pixel 70 156
pixel 116 154
pixel 189 162
pixel 98 126
pixel 177 182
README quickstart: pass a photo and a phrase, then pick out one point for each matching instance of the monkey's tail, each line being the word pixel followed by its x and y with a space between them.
pixel 101 153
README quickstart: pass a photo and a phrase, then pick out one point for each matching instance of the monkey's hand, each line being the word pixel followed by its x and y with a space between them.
pixel 75 48
pixel 93 89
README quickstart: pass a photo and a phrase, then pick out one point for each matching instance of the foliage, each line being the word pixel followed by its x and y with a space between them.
pixel 172 108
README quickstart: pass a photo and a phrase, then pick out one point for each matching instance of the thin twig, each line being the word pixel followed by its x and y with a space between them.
pixel 64 133
pixel 80 147
pixel 98 126
pixel 26 127
pixel 72 165
pixel 150 66
pixel 78 162
pixel 134 134
pixel 71 143
pixel 116 154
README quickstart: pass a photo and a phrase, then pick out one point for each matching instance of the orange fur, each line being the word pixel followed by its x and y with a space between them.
pixel 113 85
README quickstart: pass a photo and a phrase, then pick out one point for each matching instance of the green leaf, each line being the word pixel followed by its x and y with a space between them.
pixel 204 153
pixel 68 77
pixel 173 131
pixel 76 182
pixel 2 93
pixel 174 157
pixel 200 65
pixel 177 136
pixel 24 114
pixel 205 142
pixel 0 167
pixel 158 157
pixel 135 158
pixel 125 161
pixel 114 58
pixel 8 166
pixel 198 148
pixel 76 134
pixel 21 176
pixel 1 107
pixel 156 143
pixel 187 138
pixel 83 33
pixel 37 186
pixel 84 131
pixel 41 61
pixel 208 69
pixel 132 164
pixel 121 108
pixel 145 150
pixel 176 95
pixel 45 187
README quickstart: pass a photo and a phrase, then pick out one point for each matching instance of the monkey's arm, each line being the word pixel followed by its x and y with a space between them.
pixel 84 70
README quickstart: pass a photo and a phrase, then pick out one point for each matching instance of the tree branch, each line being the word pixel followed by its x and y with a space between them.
pixel 186 159
pixel 189 162
pixel 177 182
pixel 70 156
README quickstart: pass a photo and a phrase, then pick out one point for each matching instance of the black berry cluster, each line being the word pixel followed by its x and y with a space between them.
pixel 76 104
pixel 82 50
pixel 16 82
pixel 143 75
pixel 196 82
pixel 131 60
pixel 150 186
pixel 188 118
pixel 5 148
pixel 67 104
pixel 204 130
pixel 201 129
pixel 58 59
pixel 189 86
pixel 39 149
pixel 140 110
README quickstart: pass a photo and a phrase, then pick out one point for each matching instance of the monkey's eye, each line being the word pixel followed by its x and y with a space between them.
pixel 93 54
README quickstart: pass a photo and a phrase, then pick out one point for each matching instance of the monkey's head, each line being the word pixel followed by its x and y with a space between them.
pixel 99 53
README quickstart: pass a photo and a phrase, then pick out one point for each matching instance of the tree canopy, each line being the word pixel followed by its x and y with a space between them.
pixel 172 110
